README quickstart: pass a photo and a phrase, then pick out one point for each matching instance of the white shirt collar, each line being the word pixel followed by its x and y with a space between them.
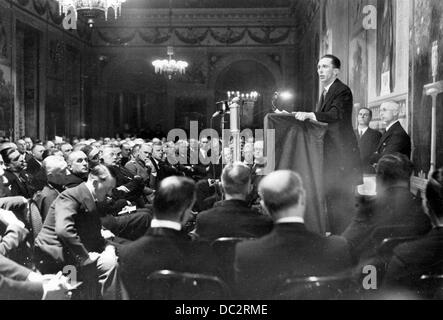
pixel 290 220
pixel 391 124
pixel 362 130
pixel 326 88
pixel 155 223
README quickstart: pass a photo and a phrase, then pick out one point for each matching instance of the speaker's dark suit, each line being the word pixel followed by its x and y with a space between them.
pixel 72 228
pixel 340 144
pixel 162 248
pixel 14 284
pixel 412 259
pixel 394 140
pixel 341 165
pixel 367 144
pixel 232 218
pixel 290 249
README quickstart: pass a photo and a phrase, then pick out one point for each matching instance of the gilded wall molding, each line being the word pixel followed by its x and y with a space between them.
pixel 190 36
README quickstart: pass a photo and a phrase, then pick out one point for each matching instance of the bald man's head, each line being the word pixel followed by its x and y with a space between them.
pixel 236 179
pixel 173 197
pixel 281 192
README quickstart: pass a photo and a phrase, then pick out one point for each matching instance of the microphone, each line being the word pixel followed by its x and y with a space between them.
pixel 224 103
pixel 216 114
pixel 220 112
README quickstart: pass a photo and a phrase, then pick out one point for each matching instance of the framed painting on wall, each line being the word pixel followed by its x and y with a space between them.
pixel 385 47
pixel 358 69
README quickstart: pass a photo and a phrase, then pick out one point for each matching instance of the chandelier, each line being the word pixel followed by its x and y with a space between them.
pixel 170 66
pixel 91 8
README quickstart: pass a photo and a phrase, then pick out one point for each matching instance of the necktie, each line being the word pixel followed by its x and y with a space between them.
pixel 322 100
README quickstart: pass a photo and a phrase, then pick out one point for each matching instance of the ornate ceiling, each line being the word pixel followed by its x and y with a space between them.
pixel 208 3
pixel 207 23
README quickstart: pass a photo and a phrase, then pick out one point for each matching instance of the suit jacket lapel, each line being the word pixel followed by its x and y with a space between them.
pixel 329 94
pixel 384 137
pixel 88 201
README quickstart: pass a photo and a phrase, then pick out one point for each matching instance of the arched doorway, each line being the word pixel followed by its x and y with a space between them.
pixel 246 76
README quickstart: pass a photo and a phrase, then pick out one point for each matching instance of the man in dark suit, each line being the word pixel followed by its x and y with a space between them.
pixel 18 180
pixel 395 139
pixel 342 169
pixel 71 233
pixel 367 139
pixel 290 249
pixel 165 246
pixel 128 186
pixel 394 205
pixel 34 164
pixel 425 255
pixel 134 223
pixel 233 217
pixel 78 166
pixel 160 169
pixel 55 168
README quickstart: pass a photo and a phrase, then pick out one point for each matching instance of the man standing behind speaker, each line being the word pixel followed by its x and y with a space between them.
pixel 341 164
pixel 367 139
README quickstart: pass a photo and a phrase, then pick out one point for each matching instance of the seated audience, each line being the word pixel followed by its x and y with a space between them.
pixel 18 179
pixel 233 217
pixel 94 155
pixel 394 205
pixel 35 162
pixel 78 166
pixel 160 169
pixel 290 249
pixel 71 233
pixel 128 186
pixel 425 255
pixel 66 149
pixel 21 146
pixel 138 167
pixel 165 245
pixel 55 168
pixel 125 153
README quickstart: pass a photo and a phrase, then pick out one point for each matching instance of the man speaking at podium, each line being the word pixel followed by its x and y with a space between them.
pixel 341 164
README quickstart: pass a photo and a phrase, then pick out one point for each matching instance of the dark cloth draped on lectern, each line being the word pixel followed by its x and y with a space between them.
pixel 299 147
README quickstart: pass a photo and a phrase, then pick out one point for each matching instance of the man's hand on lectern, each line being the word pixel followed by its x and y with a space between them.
pixel 302 116
pixel 280 111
